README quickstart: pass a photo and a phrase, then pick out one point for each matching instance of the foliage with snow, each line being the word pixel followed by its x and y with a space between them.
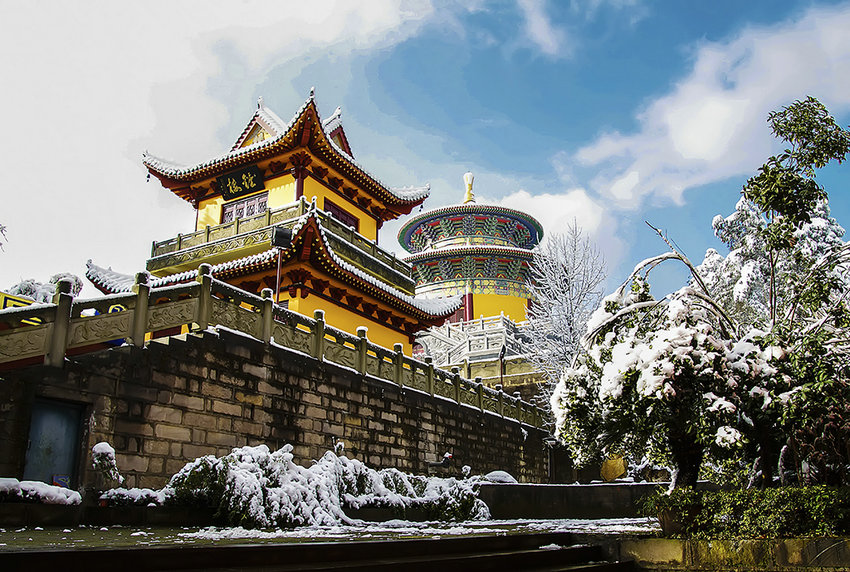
pixel 103 461
pixel 741 361
pixel 40 292
pixel 255 487
pixel 36 492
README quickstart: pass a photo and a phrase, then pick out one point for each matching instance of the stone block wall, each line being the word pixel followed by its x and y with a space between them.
pixel 171 402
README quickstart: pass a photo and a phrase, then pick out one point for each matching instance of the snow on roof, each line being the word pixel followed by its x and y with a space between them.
pixel 108 280
pixel 181 171
pixel 333 121
pixel 433 306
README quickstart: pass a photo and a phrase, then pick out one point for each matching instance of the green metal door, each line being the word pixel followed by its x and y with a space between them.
pixel 53 443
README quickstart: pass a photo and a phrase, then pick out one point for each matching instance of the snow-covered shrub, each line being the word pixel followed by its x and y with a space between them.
pixel 13 490
pixel 103 461
pixel 40 292
pixel 254 487
pixel 134 497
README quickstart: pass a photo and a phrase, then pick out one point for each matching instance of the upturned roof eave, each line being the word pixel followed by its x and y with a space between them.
pixel 173 174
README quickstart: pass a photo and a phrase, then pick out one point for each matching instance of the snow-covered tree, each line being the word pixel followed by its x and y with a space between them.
pixel 565 284
pixel 40 292
pixel 658 378
pixel 751 351
pixel 787 273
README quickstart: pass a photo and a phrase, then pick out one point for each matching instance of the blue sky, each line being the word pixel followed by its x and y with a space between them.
pixel 611 112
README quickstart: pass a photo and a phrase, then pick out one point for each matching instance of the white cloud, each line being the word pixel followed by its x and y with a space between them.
pixel 557 211
pixel 89 86
pixel 711 125
pixel 539 29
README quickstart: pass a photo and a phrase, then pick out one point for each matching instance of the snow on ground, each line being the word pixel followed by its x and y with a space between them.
pixel 120 536
pixel 403 529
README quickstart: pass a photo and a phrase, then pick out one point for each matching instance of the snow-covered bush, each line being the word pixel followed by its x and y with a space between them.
pixel 134 497
pixel 13 490
pixel 40 292
pixel 103 461
pixel 254 487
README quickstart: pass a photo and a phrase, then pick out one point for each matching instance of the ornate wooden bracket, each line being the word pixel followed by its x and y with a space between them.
pixel 277 167
pixel 319 285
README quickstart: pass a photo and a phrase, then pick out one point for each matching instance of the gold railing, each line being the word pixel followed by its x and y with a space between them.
pixel 283 215
pixel 77 324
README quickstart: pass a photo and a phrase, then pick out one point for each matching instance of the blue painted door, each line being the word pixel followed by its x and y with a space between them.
pixel 53 443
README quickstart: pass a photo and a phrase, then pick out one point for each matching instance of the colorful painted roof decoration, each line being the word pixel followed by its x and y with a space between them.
pixel 267 136
pixel 506 225
pixel 310 240
pixel 470 223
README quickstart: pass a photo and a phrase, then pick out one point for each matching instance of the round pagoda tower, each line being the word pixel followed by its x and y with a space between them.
pixel 481 252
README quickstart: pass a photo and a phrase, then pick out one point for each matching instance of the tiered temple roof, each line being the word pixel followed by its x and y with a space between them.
pixel 326 140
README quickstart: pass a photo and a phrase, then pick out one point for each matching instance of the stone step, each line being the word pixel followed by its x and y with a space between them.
pixel 512 552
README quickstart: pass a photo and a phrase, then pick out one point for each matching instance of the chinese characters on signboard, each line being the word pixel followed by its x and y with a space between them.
pixel 241 182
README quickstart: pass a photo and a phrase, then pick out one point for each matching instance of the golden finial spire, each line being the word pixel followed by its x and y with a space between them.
pixel 469 197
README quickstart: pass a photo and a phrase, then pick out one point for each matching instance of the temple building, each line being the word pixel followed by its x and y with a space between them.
pixel 481 253
pixel 298 182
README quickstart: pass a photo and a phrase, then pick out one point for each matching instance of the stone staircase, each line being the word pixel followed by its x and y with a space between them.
pixel 520 552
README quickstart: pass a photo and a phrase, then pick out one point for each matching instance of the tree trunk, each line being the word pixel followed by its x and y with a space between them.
pixel 687 456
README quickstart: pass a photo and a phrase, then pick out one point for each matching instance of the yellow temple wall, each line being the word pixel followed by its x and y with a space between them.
pixel 348 321
pixel 367 224
pixel 281 191
pixel 492 304
pixel 209 212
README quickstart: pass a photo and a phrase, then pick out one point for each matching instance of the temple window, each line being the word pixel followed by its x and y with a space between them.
pixel 244 208
pixel 341 215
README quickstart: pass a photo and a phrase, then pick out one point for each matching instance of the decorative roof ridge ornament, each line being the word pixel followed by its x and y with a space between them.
pixel 260 103
pixel 468 178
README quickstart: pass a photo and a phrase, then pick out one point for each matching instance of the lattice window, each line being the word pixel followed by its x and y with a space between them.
pixel 244 208
pixel 342 215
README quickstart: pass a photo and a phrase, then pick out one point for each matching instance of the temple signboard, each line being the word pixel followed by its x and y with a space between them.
pixel 241 182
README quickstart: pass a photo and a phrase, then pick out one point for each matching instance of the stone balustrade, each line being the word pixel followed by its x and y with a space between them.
pixel 49 332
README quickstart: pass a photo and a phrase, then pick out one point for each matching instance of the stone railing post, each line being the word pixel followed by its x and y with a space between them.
pixel 319 334
pixel 207 233
pixel 62 319
pixel 398 362
pixel 205 296
pixel 429 374
pixel 362 348
pixel 479 390
pixel 140 312
pixel 179 240
pixel 456 383
pixel 501 399
pixel 268 313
